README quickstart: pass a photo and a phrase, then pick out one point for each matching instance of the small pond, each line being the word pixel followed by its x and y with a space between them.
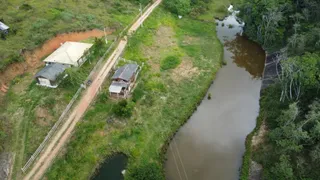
pixel 112 168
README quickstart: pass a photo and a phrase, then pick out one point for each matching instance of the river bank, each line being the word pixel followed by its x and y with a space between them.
pixel 143 136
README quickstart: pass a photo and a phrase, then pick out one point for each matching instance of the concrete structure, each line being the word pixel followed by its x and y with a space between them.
pixel 123 80
pixel 48 76
pixel 70 53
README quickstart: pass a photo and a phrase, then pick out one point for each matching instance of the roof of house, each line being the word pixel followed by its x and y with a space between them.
pixel 68 53
pixel 3 26
pixel 116 87
pixel 51 71
pixel 125 72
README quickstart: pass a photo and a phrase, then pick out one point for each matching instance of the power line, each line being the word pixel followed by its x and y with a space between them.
pixel 184 170
pixel 175 162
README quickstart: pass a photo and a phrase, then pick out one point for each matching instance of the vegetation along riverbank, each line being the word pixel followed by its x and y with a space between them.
pixel 180 57
pixel 288 128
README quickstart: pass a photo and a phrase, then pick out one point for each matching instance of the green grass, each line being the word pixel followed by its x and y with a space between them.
pixel 170 62
pixel 42 20
pixel 217 9
pixel 145 135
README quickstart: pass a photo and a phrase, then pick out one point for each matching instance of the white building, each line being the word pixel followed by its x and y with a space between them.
pixel 70 53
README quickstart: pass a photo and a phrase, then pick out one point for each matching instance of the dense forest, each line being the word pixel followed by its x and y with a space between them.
pixel 290 107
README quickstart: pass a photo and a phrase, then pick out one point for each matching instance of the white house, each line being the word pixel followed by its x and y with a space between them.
pixel 70 53
pixel 48 76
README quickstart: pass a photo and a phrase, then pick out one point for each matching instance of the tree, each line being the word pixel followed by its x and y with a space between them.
pixel 283 169
pixel 179 7
pixel 299 74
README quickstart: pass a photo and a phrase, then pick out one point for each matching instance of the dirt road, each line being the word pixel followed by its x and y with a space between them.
pixel 64 133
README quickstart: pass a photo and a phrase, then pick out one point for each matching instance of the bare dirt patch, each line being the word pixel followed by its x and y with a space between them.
pixel 164 41
pixel 43 116
pixel 188 40
pixel 259 137
pixel 184 70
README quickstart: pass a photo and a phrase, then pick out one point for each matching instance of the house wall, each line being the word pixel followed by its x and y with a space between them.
pixel 44 82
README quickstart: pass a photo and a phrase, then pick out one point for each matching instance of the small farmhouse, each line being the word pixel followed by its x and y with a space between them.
pixel 70 53
pixel 124 80
pixel 4 28
pixel 48 75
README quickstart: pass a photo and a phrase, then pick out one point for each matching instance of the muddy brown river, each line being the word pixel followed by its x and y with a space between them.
pixel 211 144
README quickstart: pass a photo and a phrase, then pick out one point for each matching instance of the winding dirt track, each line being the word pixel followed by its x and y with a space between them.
pixel 64 133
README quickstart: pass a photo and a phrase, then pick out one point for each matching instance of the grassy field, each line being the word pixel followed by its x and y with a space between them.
pixel 34 22
pixel 165 97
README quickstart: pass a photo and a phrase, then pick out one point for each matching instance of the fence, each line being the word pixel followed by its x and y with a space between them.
pixel 75 96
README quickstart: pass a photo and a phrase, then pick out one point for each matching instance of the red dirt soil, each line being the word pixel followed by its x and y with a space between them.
pixel 33 58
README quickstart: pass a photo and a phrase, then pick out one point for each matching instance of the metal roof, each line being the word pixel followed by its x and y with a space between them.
pixel 125 72
pixel 3 26
pixel 68 53
pixel 116 87
pixel 51 71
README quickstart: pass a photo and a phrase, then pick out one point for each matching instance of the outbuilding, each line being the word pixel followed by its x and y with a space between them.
pixel 4 28
pixel 69 53
pixel 124 80
pixel 48 76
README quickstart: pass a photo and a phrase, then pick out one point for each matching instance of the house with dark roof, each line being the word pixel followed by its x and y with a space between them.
pixel 48 76
pixel 4 28
pixel 124 80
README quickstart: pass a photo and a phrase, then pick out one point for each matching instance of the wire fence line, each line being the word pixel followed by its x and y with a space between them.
pixel 76 95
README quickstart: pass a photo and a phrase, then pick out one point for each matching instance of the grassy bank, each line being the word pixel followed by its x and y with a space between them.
pixel 166 95
pixel 32 23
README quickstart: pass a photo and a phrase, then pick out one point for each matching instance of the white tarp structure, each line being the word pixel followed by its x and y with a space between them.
pixel 70 53
pixel 3 27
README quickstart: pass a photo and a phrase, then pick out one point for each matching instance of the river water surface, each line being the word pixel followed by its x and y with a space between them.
pixel 210 146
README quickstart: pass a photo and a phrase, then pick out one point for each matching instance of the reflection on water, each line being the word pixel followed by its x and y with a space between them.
pixel 210 146
pixel 247 54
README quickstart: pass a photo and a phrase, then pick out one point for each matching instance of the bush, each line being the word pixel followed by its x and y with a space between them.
pixel 25 7
pixel 179 7
pixel 138 93
pixel 170 62
pixel 123 109
pixel 146 172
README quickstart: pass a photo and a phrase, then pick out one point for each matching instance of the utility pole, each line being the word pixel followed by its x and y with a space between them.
pixel 105 35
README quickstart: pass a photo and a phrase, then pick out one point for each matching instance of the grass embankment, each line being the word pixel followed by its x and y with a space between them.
pixel 34 22
pixel 166 95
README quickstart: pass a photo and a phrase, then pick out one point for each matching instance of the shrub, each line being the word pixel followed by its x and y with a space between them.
pixel 138 93
pixel 146 172
pixel 123 109
pixel 25 7
pixel 170 62
pixel 224 62
pixel 179 7
pixel 209 96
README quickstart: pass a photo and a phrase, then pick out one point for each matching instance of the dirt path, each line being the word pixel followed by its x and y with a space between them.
pixel 64 133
